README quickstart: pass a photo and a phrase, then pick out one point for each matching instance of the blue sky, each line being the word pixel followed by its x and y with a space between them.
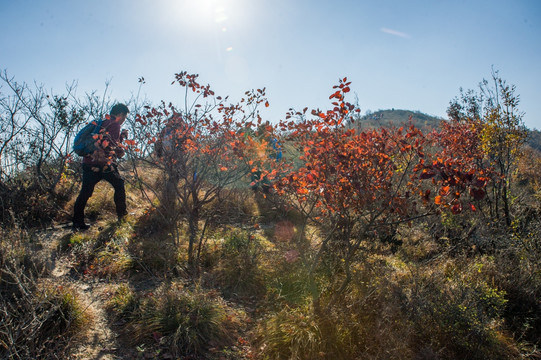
pixel 398 54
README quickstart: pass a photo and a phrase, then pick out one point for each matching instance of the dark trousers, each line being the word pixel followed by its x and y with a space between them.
pixel 90 179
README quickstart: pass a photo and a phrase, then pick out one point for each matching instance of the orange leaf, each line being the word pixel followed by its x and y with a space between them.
pixel 437 200
pixel 445 190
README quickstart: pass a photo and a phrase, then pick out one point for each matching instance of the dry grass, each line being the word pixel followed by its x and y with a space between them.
pixel 40 318
pixel 438 291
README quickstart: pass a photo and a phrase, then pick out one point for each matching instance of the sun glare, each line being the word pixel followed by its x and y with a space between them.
pixel 209 16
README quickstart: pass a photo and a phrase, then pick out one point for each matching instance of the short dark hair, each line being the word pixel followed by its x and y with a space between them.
pixel 119 109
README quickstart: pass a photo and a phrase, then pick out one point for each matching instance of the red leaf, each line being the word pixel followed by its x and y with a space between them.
pixel 427 174
pixel 456 209
pixel 477 194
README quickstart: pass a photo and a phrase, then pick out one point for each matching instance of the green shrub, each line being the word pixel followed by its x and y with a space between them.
pixel 74 241
pixel 189 321
pixel 152 245
pixel 239 272
pixel 26 201
pixel 69 313
pixel 447 310
pixel 517 270
pixel 124 302
pixel 297 334
pixel 38 318
pixel 112 258
pixel 455 311
pixel 289 285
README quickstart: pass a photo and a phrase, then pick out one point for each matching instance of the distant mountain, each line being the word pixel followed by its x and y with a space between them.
pixel 534 139
pixel 421 120
pixel 398 118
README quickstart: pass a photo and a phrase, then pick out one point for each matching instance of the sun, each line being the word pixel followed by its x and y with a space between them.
pixel 208 15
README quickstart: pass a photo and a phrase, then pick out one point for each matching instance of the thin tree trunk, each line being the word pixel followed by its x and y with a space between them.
pixel 506 212
pixel 193 225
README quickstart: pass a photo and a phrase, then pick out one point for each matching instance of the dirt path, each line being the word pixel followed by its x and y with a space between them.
pixel 99 340
pixel 104 339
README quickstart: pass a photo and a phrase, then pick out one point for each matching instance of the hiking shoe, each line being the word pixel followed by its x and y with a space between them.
pixel 80 226
pixel 122 217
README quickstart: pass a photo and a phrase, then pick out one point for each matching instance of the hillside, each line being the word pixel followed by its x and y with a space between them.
pixel 398 118
pixel 348 246
pixel 425 122
pixel 534 139
pixel 124 291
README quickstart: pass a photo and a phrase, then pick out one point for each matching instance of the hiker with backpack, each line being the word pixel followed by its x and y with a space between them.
pixel 100 145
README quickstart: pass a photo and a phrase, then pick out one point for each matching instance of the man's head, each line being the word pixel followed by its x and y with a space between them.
pixel 119 112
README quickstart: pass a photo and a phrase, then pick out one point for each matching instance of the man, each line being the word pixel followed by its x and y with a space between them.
pixel 101 165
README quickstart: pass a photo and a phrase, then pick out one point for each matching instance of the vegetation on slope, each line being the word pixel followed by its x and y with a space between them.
pixel 292 268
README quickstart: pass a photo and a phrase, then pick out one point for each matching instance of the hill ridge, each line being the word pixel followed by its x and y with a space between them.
pixel 423 121
pixel 398 117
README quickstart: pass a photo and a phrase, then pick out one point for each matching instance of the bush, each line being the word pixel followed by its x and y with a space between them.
pixel 239 272
pixel 235 206
pixel 124 302
pixel 187 322
pixel 75 242
pixel 447 310
pixel 38 318
pixel 454 311
pixel 25 203
pixel 152 245
pixel 112 258
pixel 297 334
pixel 517 270
pixel 289 285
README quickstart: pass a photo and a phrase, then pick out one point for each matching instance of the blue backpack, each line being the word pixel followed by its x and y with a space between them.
pixel 84 142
